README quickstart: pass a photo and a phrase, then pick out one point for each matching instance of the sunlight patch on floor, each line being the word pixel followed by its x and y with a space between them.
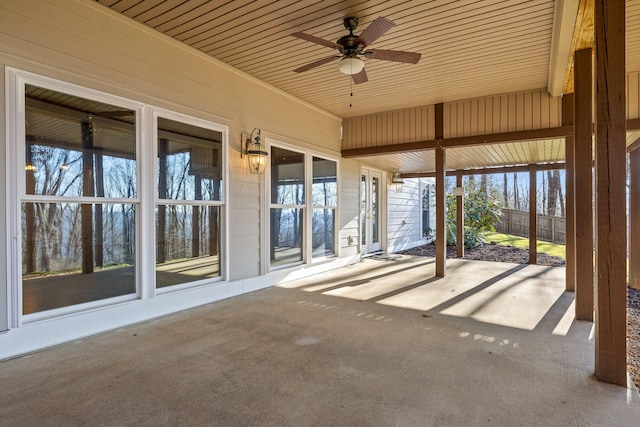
pixel 510 302
pixel 563 326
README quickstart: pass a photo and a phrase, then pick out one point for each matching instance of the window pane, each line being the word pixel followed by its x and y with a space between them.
pixel 286 236
pixel 75 253
pixel 324 187
pixel 189 162
pixel 78 147
pixel 287 177
pixel 427 195
pixel 323 226
pixel 375 198
pixel 188 244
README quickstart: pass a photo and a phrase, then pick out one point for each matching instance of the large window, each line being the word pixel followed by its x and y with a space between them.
pixel 302 228
pixel 78 210
pixel 324 191
pixel 111 200
pixel 188 210
pixel 287 206
pixel 428 198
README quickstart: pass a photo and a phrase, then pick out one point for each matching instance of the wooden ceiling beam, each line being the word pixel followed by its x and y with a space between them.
pixel 489 171
pixel 463 141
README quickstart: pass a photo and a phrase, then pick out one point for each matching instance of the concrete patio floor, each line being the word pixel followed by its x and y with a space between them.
pixel 379 343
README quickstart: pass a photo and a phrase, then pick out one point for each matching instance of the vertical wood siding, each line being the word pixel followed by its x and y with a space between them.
pixel 633 95
pixel 502 113
pixel 480 116
pixel 390 127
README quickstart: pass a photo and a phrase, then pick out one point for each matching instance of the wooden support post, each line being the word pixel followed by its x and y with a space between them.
pixel 570 212
pixel 583 163
pixel 533 215
pixel 611 161
pixel 441 220
pixel 634 220
pixel 86 209
pixel 441 201
pixel 459 217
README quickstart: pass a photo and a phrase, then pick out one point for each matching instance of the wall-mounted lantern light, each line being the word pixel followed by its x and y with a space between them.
pixel 255 152
pixel 396 182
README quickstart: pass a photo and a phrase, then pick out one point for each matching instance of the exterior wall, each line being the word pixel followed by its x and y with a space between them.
pixel 83 43
pixel 349 225
pixel 480 116
pixel 392 127
pixel 502 113
pixel 404 220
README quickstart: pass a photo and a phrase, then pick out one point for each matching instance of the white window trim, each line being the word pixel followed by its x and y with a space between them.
pixel 223 202
pixel 145 200
pixel 265 226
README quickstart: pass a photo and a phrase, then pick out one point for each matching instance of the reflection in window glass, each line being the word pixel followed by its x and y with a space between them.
pixel 325 198
pixel 78 147
pixel 189 166
pixel 428 196
pixel 188 243
pixel 375 198
pixel 287 194
pixel 363 209
pixel 286 236
pixel 287 177
pixel 189 162
pixel 324 187
pixel 322 237
pixel 76 253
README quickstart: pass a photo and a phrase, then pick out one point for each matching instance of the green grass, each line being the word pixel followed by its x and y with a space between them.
pixel 553 249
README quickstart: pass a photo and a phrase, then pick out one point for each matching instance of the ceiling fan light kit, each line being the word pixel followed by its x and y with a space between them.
pixel 352 47
pixel 351 66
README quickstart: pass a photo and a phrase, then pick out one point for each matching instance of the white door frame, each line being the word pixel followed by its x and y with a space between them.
pixel 372 214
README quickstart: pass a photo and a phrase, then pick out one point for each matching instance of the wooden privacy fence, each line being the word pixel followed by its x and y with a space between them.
pixel 549 228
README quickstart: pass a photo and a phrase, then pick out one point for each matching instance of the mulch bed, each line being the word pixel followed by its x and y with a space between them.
pixel 489 252
pixel 498 253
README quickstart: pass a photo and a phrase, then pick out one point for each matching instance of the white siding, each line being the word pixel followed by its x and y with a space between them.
pixel 404 225
pixel 80 42
pixel 348 222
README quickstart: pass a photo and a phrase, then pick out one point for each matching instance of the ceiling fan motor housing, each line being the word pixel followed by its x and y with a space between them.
pixel 350 23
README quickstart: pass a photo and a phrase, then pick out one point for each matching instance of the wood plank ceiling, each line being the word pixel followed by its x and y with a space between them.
pixel 469 49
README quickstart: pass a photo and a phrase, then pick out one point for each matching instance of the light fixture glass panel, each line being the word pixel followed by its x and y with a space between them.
pixel 351 65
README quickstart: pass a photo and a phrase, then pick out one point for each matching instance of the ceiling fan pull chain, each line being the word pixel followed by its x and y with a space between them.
pixel 350 91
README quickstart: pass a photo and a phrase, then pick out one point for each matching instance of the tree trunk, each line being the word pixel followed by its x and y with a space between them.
pixel 505 191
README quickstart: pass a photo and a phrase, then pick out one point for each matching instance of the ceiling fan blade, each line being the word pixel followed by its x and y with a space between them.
pixel 317 40
pixel 394 55
pixel 376 29
pixel 361 77
pixel 317 63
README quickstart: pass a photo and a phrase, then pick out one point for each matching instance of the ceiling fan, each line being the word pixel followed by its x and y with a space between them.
pixel 352 47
